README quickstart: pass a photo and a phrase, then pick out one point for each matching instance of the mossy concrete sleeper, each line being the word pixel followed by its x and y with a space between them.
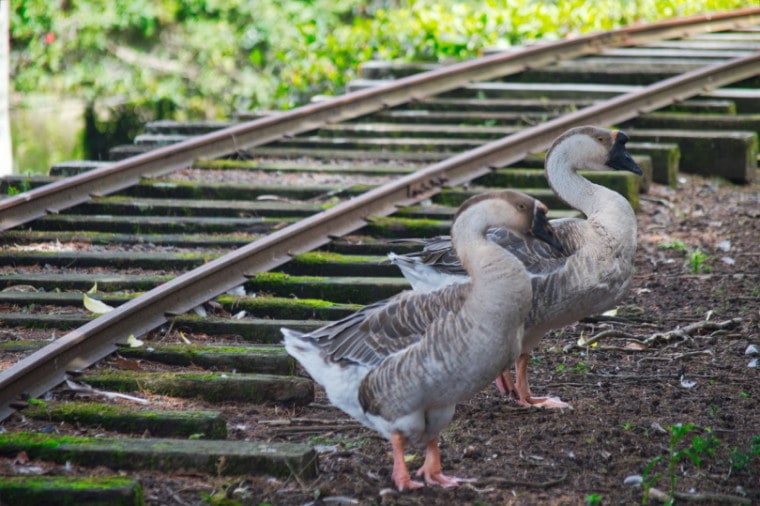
pixel 70 491
pixel 212 387
pixel 216 457
pixel 129 419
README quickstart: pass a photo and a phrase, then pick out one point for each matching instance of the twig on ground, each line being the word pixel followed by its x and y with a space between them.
pixel 298 429
pixel 83 389
pixel 692 353
pixel 296 475
pixel 606 319
pixel 506 482
pixel 176 497
pixel 301 420
pixel 671 358
pixel 335 499
pixel 681 332
pixel 601 335
pixel 657 200
pixel 704 497
pixel 690 329
pixel 169 330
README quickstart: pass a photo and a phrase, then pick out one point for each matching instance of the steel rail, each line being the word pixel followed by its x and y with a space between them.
pixel 54 197
pixel 84 346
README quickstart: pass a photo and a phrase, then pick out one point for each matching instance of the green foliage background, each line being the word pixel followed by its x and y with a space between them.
pixel 208 58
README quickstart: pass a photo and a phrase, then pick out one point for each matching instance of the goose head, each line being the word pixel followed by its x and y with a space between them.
pixel 521 214
pixel 590 147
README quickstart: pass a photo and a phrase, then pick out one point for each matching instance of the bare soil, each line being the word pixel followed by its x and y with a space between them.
pixel 674 355
pixel 629 391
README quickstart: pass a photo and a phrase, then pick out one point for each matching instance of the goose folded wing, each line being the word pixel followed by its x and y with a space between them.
pixel 436 251
pixel 387 327
pixel 537 256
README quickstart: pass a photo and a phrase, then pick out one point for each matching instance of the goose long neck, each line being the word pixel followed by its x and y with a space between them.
pixel 580 193
pixel 486 262
pixel 601 205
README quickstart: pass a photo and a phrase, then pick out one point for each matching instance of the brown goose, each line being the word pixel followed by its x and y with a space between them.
pixel 399 366
pixel 592 273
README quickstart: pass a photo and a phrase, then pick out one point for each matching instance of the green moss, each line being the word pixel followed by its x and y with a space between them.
pixel 280 278
pixel 242 457
pixel 410 223
pixel 631 190
pixel 514 178
pixel 213 387
pixel 69 491
pixel 204 257
pixel 344 289
pixel 129 380
pixel 323 257
pixel 37 440
pixel 254 303
pixel 243 359
pixel 69 410
pixel 37 402
pixel 130 420
pixel 67 482
pixel 293 308
pixel 410 227
pixel 208 376
pixel 226 164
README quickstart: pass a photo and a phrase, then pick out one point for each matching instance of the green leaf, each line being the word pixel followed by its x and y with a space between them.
pixel 95 306
pixel 133 342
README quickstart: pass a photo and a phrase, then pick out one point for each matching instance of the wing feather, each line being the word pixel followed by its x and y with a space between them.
pixel 538 257
pixel 386 327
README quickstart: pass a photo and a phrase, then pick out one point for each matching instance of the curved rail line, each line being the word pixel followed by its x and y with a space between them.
pixel 60 195
pixel 78 349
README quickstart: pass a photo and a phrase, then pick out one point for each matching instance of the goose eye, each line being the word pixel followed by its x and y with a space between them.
pixel 600 139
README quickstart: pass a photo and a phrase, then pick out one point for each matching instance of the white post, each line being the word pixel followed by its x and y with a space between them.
pixel 6 148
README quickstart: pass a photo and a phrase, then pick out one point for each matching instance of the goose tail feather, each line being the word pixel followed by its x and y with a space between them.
pixel 340 381
pixel 300 347
pixel 423 277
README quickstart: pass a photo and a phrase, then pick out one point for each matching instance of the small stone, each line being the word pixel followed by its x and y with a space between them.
pixel 387 494
pixel 687 383
pixel 238 290
pixel 471 452
pixel 751 350
pixel 634 480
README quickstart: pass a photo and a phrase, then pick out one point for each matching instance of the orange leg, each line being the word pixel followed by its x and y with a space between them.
pixel 524 397
pixel 431 468
pixel 400 474
pixel 505 384
pixel 508 387
pixel 519 391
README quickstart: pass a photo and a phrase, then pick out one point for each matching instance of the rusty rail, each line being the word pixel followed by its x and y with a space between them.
pixel 47 367
pixel 75 190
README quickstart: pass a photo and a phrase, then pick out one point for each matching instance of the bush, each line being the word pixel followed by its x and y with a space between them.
pixel 208 58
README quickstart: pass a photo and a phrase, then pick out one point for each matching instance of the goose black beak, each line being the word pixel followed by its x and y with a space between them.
pixel 541 229
pixel 620 158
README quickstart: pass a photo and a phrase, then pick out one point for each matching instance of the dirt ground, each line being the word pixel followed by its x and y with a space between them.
pixel 636 392
pixel 666 397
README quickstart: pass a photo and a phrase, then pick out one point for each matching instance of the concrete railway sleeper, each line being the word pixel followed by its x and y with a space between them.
pixel 142 297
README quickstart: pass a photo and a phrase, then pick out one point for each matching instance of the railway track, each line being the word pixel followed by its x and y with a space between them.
pixel 205 238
